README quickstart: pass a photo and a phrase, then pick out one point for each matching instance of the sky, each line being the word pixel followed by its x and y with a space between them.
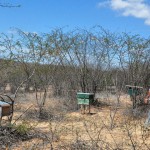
pixel 132 16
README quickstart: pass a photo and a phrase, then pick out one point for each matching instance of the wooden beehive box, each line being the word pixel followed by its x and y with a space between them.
pixel 85 98
pixel 5 109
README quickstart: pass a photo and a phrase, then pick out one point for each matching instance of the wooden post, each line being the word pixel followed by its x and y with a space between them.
pixel 81 108
pixel 89 108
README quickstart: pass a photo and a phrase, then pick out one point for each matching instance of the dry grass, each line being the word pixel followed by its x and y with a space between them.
pixel 72 130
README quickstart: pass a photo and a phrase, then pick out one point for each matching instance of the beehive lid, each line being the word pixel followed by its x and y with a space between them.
pixel 85 95
pixel 4 104
pixel 136 87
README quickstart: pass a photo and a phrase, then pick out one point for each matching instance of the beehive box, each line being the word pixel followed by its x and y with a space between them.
pixel 134 90
pixel 85 98
pixel 5 109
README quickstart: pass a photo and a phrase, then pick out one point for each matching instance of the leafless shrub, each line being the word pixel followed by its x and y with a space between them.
pixel 137 113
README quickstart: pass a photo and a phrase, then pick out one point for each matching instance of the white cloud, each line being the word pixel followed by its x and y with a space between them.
pixel 103 4
pixel 136 8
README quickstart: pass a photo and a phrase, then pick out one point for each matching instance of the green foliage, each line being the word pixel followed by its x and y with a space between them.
pixel 23 128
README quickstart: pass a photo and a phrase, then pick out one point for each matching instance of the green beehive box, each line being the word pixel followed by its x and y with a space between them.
pixel 133 91
pixel 85 98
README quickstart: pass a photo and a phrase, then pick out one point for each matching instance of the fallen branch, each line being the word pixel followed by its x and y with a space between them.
pixel 22 114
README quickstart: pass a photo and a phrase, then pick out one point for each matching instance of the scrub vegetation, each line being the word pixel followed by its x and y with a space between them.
pixel 44 72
